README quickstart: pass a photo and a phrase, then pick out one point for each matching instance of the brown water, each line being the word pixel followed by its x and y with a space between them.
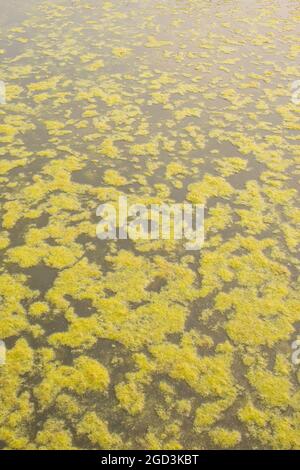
pixel 143 344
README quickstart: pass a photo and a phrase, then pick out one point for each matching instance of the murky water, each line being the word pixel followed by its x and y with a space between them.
pixel 143 344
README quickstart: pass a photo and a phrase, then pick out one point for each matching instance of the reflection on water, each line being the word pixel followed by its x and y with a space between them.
pixel 124 344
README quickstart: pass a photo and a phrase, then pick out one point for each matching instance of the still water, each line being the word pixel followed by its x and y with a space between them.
pixel 124 344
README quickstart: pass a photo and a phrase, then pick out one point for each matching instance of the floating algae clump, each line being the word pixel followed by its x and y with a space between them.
pixel 87 375
pixel 4 242
pixel 130 398
pixel 210 186
pixel 114 178
pixel 98 432
pixel 54 436
pixel 38 309
pixel 224 438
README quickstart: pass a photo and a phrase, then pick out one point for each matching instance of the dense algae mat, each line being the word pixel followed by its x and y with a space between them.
pixel 143 344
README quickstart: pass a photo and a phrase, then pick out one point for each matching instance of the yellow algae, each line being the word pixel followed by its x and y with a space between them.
pixel 21 357
pixel 16 409
pixel 13 91
pixel 174 169
pixel 108 148
pixel 38 309
pixel 6 166
pixel 7 133
pixel 54 126
pixel 13 293
pixel 44 85
pixel 225 438
pixel 150 148
pixel 87 375
pixel 208 376
pixel 97 432
pixel 27 256
pixel 184 407
pixel 210 186
pixel 152 442
pixel 95 375
pixel 253 220
pixel 121 51
pixel 282 366
pixel 67 405
pixel 87 57
pixel 231 165
pixel 219 217
pixel 166 388
pixel 90 113
pixel 161 98
pixel 187 112
pixel 113 178
pixel 207 414
pixel 94 66
pixel 274 390
pixel 61 257
pixel 4 241
pixel 63 202
pixel 130 397
pixel 54 436
pixel 82 332
pixel 280 433
pixel 249 414
pixel 153 42
pixel 41 97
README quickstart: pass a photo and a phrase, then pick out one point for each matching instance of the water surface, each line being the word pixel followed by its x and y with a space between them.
pixel 124 344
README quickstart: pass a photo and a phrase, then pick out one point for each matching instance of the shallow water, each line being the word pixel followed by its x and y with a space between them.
pixel 143 344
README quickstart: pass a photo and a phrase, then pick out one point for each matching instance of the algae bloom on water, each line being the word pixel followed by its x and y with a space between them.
pixel 139 343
